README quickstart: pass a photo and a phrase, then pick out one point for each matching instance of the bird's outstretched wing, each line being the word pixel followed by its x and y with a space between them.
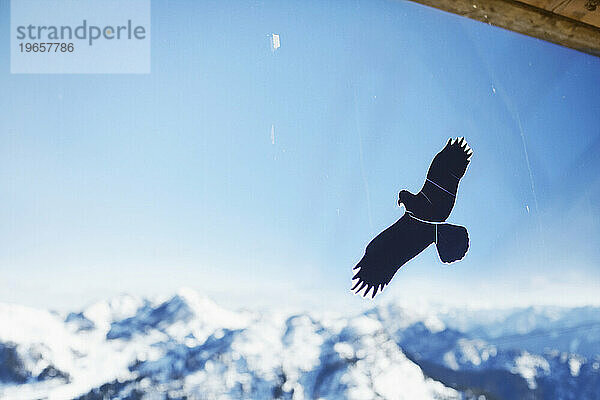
pixel 390 250
pixel 450 164
pixel 437 197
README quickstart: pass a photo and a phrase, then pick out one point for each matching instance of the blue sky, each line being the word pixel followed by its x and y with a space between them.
pixel 146 183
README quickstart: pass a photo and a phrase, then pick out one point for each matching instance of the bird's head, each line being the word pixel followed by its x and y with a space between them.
pixel 402 197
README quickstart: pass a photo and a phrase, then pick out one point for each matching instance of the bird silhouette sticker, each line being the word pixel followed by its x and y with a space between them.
pixel 422 224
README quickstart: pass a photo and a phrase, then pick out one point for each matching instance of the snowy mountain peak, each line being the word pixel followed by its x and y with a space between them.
pixel 185 314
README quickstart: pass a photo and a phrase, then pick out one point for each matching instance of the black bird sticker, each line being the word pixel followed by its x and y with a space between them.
pixel 422 224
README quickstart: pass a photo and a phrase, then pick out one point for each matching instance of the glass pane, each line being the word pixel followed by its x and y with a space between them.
pixel 192 231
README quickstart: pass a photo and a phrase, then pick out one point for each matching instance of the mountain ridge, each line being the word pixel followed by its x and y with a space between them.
pixel 187 346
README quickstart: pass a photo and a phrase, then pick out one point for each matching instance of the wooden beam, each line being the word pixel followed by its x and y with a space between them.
pixel 526 19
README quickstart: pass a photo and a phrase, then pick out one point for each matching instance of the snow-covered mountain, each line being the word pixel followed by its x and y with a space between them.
pixel 187 347
pixel 503 365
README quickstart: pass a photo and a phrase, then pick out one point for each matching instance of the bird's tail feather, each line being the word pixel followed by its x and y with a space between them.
pixel 452 242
